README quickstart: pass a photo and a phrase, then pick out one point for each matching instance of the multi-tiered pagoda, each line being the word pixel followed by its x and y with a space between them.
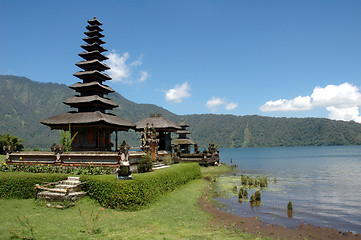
pixel 93 124
pixel 183 142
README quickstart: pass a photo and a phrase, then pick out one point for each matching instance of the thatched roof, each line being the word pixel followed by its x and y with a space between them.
pixel 93 47
pixel 93 55
pixel 183 124
pixel 183 132
pixel 95 74
pixel 82 100
pixel 80 87
pixel 94 28
pixel 94 64
pixel 183 142
pixel 160 123
pixel 82 118
pixel 94 39
pixel 95 21
pixel 94 33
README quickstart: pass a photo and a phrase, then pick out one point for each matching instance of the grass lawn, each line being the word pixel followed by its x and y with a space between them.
pixel 176 215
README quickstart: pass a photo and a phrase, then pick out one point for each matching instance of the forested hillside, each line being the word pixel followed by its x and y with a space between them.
pixel 257 131
pixel 24 103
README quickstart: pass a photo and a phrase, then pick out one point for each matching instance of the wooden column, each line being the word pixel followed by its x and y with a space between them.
pixel 116 141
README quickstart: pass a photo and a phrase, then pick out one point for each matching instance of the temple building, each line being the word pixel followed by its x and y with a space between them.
pixel 183 143
pixel 91 121
pixel 164 128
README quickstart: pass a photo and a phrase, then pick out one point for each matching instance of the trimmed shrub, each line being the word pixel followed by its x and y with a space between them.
pixel 21 185
pixel 89 169
pixel 145 165
pixel 142 190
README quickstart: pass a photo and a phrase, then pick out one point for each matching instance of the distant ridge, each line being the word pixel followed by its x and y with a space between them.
pixel 25 102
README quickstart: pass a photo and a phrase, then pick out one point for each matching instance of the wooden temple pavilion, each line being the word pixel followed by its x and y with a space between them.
pixel 163 126
pixel 91 121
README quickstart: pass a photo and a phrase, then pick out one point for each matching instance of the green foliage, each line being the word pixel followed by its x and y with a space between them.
pixel 90 222
pixel 21 185
pixel 167 159
pixel 289 206
pixel 89 169
pixel 66 139
pixel 259 131
pixel 145 165
pixel 257 195
pixel 243 193
pixel 6 140
pixel 144 189
pixel 289 209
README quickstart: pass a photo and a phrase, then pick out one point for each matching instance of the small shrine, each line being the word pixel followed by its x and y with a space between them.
pixel 183 143
pixel 163 126
pixel 92 123
pixel 182 147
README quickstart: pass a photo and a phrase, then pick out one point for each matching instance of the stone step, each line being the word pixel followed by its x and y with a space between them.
pixel 160 167
pixel 54 196
pixel 74 178
pixel 69 190
pixel 157 166
pixel 67 182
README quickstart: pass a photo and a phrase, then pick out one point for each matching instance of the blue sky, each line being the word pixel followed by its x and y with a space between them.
pixel 271 58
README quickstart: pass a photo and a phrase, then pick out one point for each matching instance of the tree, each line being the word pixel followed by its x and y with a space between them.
pixel 66 139
pixel 6 140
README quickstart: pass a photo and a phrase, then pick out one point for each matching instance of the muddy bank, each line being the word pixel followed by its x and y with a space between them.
pixel 254 226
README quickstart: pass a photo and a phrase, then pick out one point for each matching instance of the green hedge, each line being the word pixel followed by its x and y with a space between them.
pixel 21 185
pixel 143 189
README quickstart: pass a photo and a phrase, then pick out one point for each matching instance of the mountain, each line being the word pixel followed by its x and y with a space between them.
pixel 24 103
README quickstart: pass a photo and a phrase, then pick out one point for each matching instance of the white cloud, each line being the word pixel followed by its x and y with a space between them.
pixel 346 114
pixel 341 101
pixel 215 103
pixel 143 76
pixel 231 106
pixel 121 70
pixel 178 93
pixel 137 62
pixel 297 104
pixel 344 95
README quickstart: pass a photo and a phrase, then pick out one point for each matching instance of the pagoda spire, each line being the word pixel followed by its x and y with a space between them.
pixel 93 124
pixel 92 89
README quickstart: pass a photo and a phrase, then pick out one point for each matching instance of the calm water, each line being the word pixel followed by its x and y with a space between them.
pixel 323 183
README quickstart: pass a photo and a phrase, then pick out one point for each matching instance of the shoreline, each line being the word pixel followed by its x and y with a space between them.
pixel 253 226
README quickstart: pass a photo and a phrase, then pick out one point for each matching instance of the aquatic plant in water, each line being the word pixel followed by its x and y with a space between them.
pixel 289 209
pixel 243 193
pixel 255 199
pixel 244 180
pixel 257 195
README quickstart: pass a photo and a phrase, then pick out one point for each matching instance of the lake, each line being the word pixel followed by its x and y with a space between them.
pixel 323 184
